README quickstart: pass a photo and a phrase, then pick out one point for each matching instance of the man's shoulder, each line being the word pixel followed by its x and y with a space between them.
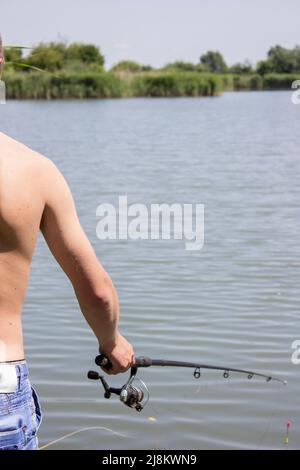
pixel 15 152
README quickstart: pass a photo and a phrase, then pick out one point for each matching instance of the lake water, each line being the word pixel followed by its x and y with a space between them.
pixel 234 303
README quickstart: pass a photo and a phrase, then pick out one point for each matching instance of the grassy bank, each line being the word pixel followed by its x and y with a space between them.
pixel 63 85
pixel 166 84
pixel 93 84
pixel 271 81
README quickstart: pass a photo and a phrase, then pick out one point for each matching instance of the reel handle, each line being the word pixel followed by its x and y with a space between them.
pixel 93 375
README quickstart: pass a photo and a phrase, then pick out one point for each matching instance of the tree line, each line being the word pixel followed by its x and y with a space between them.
pixel 77 71
pixel 56 56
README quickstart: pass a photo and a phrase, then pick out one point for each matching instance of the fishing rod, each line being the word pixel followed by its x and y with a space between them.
pixel 137 397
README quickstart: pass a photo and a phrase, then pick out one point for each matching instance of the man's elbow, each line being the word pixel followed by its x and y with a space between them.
pixel 103 300
pixel 97 299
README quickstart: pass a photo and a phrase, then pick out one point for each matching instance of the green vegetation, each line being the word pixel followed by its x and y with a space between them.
pixel 279 81
pixel 63 85
pixel 213 61
pixel 77 71
pixel 175 83
pixel 56 56
pixel 180 66
pixel 239 68
pixel 129 66
pixel 280 60
pixel 13 55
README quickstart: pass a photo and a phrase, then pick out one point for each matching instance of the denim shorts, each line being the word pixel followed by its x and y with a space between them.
pixel 20 414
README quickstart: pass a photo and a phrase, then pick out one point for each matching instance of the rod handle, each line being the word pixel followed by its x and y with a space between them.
pixel 141 361
pixel 103 361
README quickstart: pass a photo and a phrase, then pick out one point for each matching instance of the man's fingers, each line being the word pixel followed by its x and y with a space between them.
pixel 107 371
pixel 121 357
pixel 116 369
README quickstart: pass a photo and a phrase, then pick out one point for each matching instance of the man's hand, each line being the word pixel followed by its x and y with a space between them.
pixel 120 353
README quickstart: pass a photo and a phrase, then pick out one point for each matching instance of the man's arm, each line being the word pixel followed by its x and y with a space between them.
pixel 94 289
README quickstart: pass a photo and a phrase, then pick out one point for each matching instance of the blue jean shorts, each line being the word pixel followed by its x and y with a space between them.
pixel 20 414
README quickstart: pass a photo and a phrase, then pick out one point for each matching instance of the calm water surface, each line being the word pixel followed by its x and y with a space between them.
pixel 236 302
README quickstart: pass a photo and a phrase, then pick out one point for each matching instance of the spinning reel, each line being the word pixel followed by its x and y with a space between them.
pixel 131 395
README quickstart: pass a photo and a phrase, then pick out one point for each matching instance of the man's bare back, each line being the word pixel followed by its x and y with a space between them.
pixel 21 209
pixel 34 196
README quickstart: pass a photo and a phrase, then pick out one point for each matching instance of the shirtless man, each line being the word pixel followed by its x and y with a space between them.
pixel 34 196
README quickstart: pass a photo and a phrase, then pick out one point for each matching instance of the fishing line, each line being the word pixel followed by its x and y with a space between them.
pixel 78 431
pixel 268 426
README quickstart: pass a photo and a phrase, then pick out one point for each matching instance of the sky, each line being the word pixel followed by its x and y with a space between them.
pixel 156 32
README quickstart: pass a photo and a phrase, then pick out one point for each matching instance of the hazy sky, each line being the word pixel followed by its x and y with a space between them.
pixel 156 31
